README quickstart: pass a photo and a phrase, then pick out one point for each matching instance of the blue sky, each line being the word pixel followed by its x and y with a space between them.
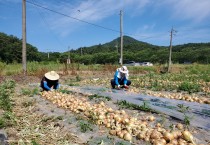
pixel 57 25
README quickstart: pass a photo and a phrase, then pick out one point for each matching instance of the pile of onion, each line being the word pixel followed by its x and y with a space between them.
pixel 120 123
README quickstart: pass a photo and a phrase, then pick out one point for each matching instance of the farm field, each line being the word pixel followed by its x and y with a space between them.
pixel 31 117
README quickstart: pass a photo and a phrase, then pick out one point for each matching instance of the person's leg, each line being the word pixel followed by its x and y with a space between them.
pixel 113 83
pixel 128 82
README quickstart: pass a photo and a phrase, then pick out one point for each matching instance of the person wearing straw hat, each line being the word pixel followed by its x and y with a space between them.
pixel 50 81
pixel 121 78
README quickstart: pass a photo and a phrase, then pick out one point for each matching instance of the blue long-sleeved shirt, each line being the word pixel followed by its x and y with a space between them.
pixel 48 88
pixel 118 77
pixel 47 84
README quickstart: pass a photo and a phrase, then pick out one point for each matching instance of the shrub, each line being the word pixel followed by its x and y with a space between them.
pixel 189 87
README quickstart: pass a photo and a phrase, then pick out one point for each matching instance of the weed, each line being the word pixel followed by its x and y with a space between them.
pixel 65 91
pixel 27 104
pixel 172 127
pixel 101 140
pixel 182 108
pixel 7 119
pixel 123 143
pixel 34 142
pixel 85 126
pixel 73 84
pixel 25 91
pixel 79 117
pixel 95 96
pixel 45 119
pixel 187 120
pixel 29 92
pixel 6 92
pixel 78 79
pixel 189 87
pixel 144 107
pixel 35 91
pixel 59 118
pixel 162 121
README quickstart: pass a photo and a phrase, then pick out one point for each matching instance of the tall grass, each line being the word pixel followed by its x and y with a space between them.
pixel 34 68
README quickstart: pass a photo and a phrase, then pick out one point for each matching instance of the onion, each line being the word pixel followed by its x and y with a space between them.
pixel 120 133
pixel 112 132
pixel 127 136
pixel 123 112
pixel 159 142
pixel 182 142
pixel 174 142
pixel 158 125
pixel 168 136
pixel 176 134
pixel 125 120
pixel 188 136
pixel 179 126
pixel 141 135
pixel 108 125
pixel 155 135
pixel 151 118
pixel 101 117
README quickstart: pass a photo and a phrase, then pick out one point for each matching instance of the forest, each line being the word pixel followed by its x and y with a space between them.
pixel 108 53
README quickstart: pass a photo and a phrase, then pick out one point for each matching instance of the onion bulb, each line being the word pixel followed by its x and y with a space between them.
pixel 155 135
pixel 112 132
pixel 127 136
pixel 188 136
pixel 179 126
pixel 151 118
pixel 159 142
pixel 168 136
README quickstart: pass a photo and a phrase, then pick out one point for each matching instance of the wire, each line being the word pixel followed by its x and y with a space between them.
pixel 87 21
pixel 128 34
pixel 45 22
pixel 72 17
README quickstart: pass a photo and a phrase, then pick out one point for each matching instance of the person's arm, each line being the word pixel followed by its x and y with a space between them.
pixel 116 78
pixel 46 86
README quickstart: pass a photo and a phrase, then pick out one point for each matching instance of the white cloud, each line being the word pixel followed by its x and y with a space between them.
pixel 195 10
pixel 91 11
pixel 94 11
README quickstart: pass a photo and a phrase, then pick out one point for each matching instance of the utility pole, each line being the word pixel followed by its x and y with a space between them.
pixel 170 49
pixel 116 48
pixel 24 36
pixel 81 51
pixel 68 60
pixel 48 54
pixel 121 36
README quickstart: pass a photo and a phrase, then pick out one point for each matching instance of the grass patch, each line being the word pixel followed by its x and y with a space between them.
pixel 7 119
pixel 6 92
pixel 85 126
pixel 145 107
pixel 102 98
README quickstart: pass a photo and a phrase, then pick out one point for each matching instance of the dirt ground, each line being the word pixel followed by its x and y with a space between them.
pixel 39 121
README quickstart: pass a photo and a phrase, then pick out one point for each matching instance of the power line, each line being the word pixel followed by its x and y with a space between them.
pixel 117 31
pixel 72 17
pixel 46 23
pixel 38 5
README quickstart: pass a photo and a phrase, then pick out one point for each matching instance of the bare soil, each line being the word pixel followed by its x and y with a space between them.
pixel 39 121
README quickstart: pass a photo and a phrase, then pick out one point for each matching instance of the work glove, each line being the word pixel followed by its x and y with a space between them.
pixel 126 87
pixel 118 87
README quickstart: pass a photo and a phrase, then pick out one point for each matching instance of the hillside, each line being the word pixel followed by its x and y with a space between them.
pixel 11 51
pixel 130 44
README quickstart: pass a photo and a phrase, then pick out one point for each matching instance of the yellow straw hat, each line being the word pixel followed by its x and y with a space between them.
pixel 52 75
